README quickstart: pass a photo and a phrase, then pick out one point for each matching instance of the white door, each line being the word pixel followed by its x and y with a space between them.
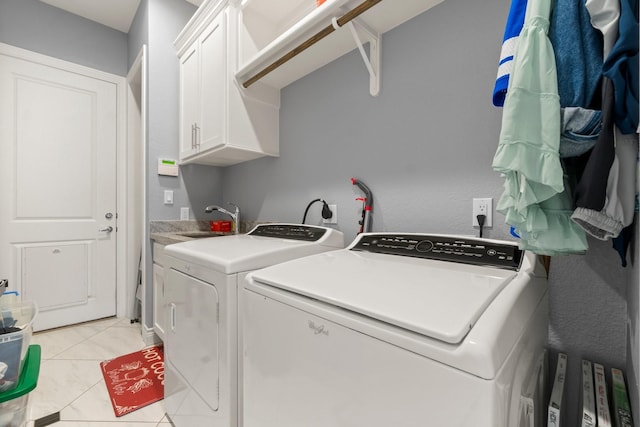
pixel 58 135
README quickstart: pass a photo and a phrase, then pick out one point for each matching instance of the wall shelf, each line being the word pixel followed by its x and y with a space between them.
pixel 267 34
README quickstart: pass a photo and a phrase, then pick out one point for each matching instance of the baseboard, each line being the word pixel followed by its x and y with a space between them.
pixel 149 337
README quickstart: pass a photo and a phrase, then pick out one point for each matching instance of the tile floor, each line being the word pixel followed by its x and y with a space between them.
pixel 71 382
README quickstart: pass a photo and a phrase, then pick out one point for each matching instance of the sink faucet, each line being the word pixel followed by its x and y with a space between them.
pixel 235 215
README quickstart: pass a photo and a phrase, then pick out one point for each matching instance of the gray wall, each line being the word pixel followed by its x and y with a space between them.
pixel 166 19
pixel 425 148
pixel 197 185
pixel 633 328
pixel 36 26
pixel 138 33
pixel 588 312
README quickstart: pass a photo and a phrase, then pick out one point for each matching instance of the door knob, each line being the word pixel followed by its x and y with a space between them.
pixel 108 229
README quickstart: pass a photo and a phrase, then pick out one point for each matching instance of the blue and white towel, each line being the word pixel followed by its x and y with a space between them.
pixel 515 21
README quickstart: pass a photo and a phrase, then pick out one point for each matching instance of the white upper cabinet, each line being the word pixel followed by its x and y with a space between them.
pixel 202 89
pixel 190 116
pixel 219 125
pixel 230 88
pixel 270 29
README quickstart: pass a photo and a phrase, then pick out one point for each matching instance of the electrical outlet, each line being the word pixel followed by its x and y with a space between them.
pixel 483 207
pixel 184 214
pixel 334 217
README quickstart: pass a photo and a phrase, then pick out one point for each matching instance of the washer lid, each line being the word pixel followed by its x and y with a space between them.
pixel 438 299
pixel 261 247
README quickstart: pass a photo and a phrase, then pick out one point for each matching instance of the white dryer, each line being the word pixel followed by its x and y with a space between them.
pixel 202 282
pixel 403 330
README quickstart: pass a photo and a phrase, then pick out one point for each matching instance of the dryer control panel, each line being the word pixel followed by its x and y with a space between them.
pixel 289 231
pixel 443 248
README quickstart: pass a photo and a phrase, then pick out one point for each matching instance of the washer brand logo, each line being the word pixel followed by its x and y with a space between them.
pixel 317 330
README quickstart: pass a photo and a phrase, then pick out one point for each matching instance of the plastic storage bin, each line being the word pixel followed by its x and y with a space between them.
pixel 14 403
pixel 19 317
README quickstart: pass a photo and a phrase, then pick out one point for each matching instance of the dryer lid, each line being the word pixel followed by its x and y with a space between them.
pixel 265 245
pixel 438 299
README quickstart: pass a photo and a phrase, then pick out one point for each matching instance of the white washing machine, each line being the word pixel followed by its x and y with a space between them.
pixel 403 330
pixel 202 282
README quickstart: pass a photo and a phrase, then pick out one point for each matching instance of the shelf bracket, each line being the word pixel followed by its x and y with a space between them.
pixel 372 62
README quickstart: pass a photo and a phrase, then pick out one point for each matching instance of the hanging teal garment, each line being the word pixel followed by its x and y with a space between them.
pixel 528 150
pixel 561 235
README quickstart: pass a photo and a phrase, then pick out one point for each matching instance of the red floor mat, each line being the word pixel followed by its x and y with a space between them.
pixel 134 380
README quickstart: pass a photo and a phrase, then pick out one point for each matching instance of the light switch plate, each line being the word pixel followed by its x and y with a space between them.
pixel 168 197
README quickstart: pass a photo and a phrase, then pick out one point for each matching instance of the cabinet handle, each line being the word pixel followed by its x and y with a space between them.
pixel 173 316
pixel 193 135
pixel 197 136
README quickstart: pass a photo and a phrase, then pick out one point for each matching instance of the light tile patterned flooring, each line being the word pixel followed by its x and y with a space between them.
pixel 71 381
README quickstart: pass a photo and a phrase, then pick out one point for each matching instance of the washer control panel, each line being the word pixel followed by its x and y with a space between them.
pixel 443 248
pixel 289 231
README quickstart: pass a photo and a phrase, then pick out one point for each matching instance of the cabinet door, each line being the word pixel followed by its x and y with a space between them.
pixel 160 310
pixel 213 84
pixel 189 101
pixel 192 355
